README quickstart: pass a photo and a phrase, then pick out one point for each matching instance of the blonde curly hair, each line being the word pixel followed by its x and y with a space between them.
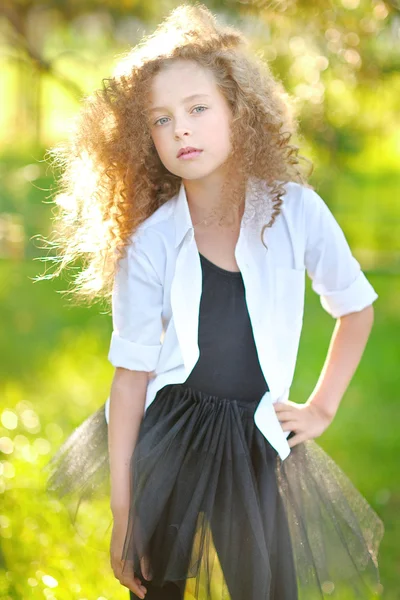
pixel 112 177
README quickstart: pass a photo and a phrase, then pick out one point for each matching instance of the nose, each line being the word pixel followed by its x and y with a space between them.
pixel 181 132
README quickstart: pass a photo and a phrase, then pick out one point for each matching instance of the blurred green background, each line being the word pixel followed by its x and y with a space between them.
pixel 340 60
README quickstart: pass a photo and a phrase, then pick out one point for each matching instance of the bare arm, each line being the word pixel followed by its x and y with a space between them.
pixel 347 295
pixel 309 420
pixel 127 399
pixel 346 348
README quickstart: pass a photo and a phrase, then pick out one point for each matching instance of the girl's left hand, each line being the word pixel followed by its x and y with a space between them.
pixel 306 421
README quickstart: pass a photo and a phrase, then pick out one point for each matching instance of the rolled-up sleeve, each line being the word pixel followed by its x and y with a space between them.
pixel 136 311
pixel 335 273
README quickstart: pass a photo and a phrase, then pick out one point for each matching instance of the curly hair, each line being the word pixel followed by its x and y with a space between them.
pixel 112 177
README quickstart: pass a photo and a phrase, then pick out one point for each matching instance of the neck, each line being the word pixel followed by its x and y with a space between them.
pixel 204 198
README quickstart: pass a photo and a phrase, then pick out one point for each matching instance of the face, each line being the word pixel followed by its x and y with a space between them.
pixel 188 111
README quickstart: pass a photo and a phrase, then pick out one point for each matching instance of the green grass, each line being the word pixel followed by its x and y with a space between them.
pixel 55 372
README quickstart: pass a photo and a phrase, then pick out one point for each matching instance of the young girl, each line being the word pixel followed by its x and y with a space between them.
pixel 183 193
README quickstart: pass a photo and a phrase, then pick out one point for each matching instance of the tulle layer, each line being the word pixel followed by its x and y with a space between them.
pixel 80 470
pixel 215 511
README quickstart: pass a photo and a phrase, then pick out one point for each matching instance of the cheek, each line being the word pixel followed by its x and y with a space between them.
pixel 220 126
pixel 220 136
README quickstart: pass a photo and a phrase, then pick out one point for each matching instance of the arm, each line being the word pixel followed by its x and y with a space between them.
pixel 127 398
pixel 346 348
pixel 134 351
pixel 346 294
pixel 309 420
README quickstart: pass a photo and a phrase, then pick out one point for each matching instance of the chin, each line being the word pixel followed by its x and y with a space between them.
pixel 192 174
pixel 199 172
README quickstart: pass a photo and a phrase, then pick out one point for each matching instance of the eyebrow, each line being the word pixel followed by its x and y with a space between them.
pixel 187 99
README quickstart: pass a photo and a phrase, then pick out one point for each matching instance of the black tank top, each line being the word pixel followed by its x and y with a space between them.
pixel 228 364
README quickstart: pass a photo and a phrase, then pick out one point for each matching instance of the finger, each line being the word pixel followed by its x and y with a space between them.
pixel 287 414
pixel 285 418
pixel 128 578
pixel 290 426
pixel 297 439
pixel 287 410
pixel 288 405
pixel 134 584
pixel 281 406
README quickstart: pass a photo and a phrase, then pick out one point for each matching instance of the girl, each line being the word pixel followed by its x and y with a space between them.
pixel 191 206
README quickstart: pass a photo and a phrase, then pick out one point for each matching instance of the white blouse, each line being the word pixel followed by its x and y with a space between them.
pixel 158 285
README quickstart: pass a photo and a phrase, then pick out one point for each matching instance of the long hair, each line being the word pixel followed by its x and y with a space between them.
pixel 112 177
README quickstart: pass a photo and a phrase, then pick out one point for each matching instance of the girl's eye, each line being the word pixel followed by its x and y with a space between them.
pixel 200 108
pixel 161 121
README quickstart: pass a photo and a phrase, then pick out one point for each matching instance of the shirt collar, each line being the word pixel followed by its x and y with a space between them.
pixel 183 220
pixel 255 208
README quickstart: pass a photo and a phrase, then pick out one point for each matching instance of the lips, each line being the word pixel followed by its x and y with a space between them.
pixel 187 150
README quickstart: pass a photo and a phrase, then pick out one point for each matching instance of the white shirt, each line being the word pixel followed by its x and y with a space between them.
pixel 158 285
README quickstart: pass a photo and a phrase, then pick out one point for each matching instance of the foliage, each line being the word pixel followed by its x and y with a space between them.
pixel 332 55
pixel 53 390
pixel 340 59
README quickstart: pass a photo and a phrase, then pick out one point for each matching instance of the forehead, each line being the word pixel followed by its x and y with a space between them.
pixel 179 80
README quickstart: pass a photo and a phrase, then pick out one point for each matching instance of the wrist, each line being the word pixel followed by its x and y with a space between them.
pixel 325 408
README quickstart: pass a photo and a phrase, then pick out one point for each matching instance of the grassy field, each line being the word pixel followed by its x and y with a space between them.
pixel 54 373
pixel 54 370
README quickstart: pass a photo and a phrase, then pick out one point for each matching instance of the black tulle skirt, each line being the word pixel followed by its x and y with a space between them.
pixel 217 514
